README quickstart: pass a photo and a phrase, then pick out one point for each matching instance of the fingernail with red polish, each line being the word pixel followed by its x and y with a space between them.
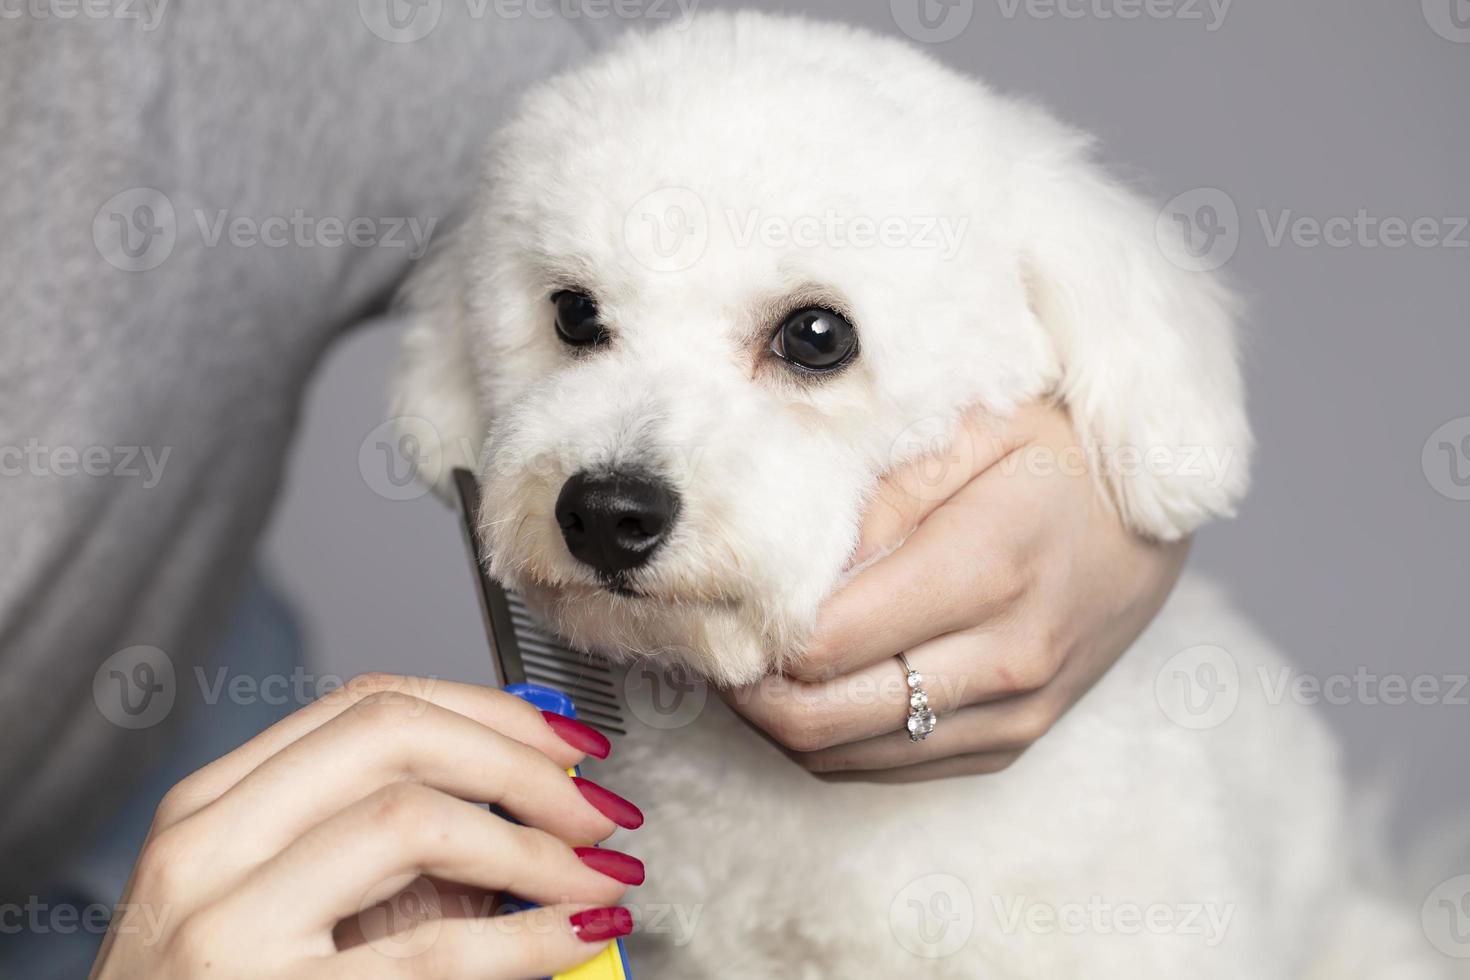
pixel 610 804
pixel 583 738
pixel 615 864
pixel 600 925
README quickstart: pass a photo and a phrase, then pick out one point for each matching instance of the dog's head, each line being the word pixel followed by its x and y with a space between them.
pixel 724 277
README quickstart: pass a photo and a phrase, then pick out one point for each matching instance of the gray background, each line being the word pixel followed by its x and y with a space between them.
pixel 1346 554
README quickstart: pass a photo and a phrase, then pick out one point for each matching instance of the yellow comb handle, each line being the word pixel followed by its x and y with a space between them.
pixel 606 965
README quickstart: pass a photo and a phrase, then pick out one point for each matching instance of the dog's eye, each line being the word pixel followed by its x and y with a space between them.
pixel 815 339
pixel 577 323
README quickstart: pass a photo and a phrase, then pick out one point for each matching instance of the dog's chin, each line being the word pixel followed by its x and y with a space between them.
pixel 713 636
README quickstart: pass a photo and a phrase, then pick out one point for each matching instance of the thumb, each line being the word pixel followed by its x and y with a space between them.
pixel 909 493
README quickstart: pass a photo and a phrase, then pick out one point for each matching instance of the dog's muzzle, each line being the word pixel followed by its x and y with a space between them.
pixel 614 522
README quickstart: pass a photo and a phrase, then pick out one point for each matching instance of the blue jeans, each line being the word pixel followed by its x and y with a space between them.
pixel 262 640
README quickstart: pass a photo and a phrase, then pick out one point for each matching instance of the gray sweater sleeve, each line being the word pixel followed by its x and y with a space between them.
pixel 196 201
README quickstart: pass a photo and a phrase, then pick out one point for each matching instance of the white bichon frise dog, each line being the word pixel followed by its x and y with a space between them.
pixel 718 282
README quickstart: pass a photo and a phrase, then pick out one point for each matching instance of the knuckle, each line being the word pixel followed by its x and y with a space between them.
pixel 373 682
pixel 181 800
pixel 1004 582
pixel 1033 724
pixel 801 731
pixel 196 945
pixel 387 709
pixel 1025 674
pixel 405 808
pixel 164 866
pixel 812 668
pixel 539 848
pixel 538 935
pixel 816 733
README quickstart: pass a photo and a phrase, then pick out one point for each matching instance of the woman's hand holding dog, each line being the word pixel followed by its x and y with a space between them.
pixel 340 843
pixel 1010 584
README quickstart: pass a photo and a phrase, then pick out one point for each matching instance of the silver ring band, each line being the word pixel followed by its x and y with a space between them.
pixel 921 719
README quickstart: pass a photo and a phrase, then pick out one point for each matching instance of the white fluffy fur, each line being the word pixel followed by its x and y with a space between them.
pixel 1056 288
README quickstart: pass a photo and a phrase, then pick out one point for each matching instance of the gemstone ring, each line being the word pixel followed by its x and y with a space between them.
pixel 921 717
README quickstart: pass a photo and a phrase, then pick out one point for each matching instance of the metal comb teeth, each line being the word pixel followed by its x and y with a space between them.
pixel 586 677
pixel 522 650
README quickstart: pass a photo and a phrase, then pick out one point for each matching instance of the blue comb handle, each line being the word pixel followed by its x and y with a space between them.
pixel 545 698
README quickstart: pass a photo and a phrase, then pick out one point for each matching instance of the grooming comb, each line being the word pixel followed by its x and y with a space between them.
pixel 536 668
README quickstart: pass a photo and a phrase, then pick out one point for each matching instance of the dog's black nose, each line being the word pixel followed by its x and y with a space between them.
pixel 615 522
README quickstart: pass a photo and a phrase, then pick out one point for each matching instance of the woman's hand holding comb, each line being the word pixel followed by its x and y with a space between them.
pixel 344 842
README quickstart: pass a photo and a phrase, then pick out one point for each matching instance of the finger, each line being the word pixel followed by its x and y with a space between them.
pixel 494 709
pixel 927 588
pixel 985 764
pixel 910 493
pixel 996 730
pixel 540 942
pixel 958 669
pixel 367 852
pixel 965 564
pixel 385 740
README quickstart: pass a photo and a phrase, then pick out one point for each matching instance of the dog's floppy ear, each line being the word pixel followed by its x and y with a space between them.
pixel 435 395
pixel 1146 347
